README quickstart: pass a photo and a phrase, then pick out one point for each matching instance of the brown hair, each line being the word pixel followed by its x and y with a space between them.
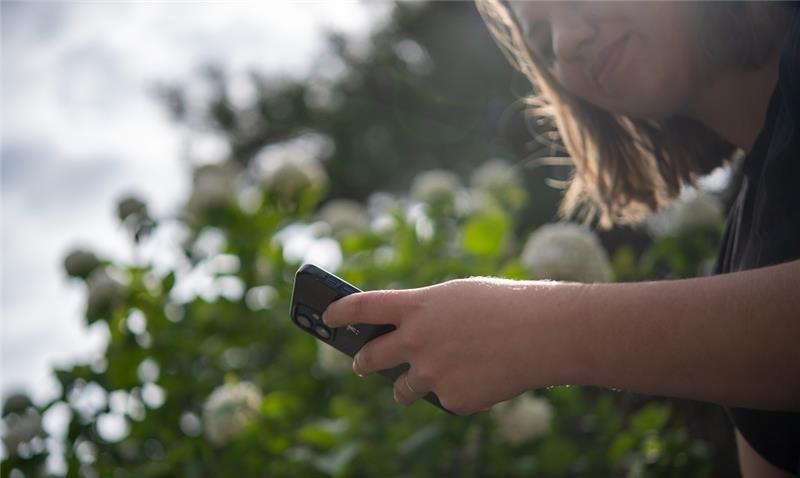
pixel 626 168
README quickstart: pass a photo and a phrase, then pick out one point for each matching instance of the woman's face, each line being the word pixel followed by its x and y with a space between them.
pixel 632 58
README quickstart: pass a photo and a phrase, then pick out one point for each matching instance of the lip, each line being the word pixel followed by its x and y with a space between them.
pixel 608 60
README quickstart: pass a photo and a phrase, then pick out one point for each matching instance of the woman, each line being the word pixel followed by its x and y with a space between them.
pixel 647 97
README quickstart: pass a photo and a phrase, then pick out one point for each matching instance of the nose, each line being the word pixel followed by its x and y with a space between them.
pixel 571 33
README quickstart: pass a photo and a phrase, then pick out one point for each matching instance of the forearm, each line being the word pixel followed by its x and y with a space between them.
pixel 730 339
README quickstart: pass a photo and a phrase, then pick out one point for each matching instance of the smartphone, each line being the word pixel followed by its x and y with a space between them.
pixel 314 289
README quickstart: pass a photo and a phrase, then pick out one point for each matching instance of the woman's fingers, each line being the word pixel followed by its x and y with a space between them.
pixel 407 390
pixel 371 307
pixel 380 353
pixel 385 352
pixel 388 350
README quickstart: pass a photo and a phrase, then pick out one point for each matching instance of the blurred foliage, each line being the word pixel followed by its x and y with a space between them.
pixel 204 374
pixel 167 354
pixel 429 89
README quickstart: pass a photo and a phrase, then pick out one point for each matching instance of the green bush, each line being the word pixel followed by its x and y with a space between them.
pixel 204 373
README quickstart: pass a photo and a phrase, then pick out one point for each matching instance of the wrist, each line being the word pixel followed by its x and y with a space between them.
pixel 556 316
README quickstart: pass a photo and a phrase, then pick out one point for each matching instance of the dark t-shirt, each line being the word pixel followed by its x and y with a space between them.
pixel 763 229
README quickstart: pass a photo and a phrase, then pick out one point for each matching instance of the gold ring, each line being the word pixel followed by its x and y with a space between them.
pixel 409 385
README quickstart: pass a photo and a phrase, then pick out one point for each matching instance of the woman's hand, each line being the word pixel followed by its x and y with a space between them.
pixel 474 342
pixel 729 339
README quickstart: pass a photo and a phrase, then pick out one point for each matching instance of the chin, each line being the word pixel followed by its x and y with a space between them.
pixel 649 106
pixel 654 113
pixel 652 95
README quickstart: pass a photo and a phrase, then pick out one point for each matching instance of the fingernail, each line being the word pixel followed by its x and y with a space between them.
pixel 324 321
pixel 355 366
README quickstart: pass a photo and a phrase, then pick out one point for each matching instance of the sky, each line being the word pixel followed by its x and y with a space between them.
pixel 81 128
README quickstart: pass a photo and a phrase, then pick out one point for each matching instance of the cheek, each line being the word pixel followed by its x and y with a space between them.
pixel 661 79
pixel 575 81
pixel 661 76
pixel 657 81
pixel 630 99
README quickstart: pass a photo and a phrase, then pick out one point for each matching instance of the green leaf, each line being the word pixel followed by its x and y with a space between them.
pixel 168 282
pixel 556 455
pixel 651 417
pixel 485 234
pixel 622 444
pixel 277 404
pixel 420 439
pixel 624 264
pixel 568 399
pixel 277 444
pixel 334 463
pixel 514 270
pixel 318 436
pixel 652 448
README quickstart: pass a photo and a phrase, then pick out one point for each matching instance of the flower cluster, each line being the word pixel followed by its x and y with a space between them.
pixel 287 176
pixel 105 294
pixel 522 418
pixel 497 181
pixel 131 206
pixel 436 187
pixel 229 410
pixel 344 216
pixel 213 188
pixel 22 423
pixel 568 252
pixel 80 263
pixel 692 211
pixel 132 212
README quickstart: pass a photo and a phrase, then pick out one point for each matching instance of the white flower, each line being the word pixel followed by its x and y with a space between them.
pixel 436 186
pixel 229 410
pixel 21 428
pixel 333 361
pixel 692 211
pixel 494 175
pixel 414 56
pixel 80 263
pixel 105 293
pixel 566 251
pixel 383 203
pixel 344 216
pixel 213 188
pixel 522 418
pixel 382 207
pixel 497 180
pixel 288 175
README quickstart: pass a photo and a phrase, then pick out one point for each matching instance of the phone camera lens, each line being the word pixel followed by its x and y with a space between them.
pixel 303 320
pixel 322 331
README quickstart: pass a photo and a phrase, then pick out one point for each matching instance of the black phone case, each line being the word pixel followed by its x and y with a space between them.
pixel 314 289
